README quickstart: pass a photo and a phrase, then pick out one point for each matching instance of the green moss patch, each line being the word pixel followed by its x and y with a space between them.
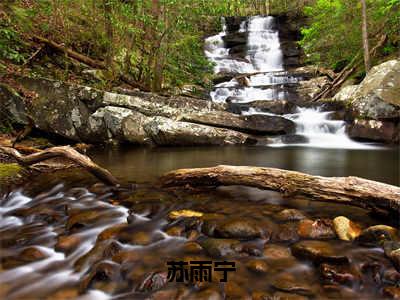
pixel 8 172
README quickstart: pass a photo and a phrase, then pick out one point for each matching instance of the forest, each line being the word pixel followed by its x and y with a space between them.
pixel 175 149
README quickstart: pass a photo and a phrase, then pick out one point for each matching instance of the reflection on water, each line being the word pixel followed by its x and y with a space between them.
pixel 144 164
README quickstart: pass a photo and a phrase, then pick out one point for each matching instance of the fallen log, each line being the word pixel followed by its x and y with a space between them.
pixel 80 57
pixel 66 152
pixel 355 191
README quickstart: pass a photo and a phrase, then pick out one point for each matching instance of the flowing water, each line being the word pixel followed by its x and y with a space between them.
pixel 266 80
pixel 64 236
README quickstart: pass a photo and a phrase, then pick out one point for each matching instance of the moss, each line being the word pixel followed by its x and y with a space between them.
pixel 7 171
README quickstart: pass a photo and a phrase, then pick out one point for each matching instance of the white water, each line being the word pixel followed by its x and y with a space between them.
pixel 322 132
pixel 264 57
pixel 39 277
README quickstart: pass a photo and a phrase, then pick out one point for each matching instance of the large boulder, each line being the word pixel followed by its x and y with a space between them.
pixel 372 130
pixel 86 114
pixel 378 95
pixel 257 124
pixel 166 132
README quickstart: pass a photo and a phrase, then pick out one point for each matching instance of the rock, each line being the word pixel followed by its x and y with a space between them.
pixel 372 130
pixel 382 82
pixel 185 213
pixel 345 229
pixel 276 252
pixel 94 74
pixel 153 282
pixel 341 274
pixel 133 131
pixel 307 89
pixel 89 115
pixel 377 235
pixel 175 231
pixel 294 139
pixel 393 292
pixel 317 252
pixel 235 39
pixel 103 272
pixel 165 132
pixel 219 247
pixel 12 106
pixel 287 232
pixel 287 282
pixel 287 296
pixel 257 266
pixel 67 243
pixel 392 251
pixel 26 256
pixel 377 96
pixel 239 229
pixel 391 276
pixel 254 124
pixel 346 94
pixel 279 107
pixel 234 290
pixel 290 215
pixel 318 229
pixel 192 248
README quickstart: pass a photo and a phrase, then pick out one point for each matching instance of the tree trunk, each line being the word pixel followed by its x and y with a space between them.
pixel 345 190
pixel 365 36
pixel 109 32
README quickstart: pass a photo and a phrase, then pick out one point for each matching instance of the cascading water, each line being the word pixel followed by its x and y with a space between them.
pixel 260 75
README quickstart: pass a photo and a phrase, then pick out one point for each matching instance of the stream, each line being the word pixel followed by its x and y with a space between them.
pixel 66 236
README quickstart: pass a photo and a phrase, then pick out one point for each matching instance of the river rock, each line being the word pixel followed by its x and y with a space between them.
pixel 287 282
pixel 235 290
pixel 373 130
pixel 257 266
pixel 276 252
pixel 290 215
pixel 67 243
pixel 318 251
pixel 345 229
pixel 239 229
pixel 107 273
pixel 392 292
pixel 287 232
pixel 341 274
pixel 318 229
pixel 392 251
pixel 377 235
pixel 294 139
pixel 153 282
pixel 220 247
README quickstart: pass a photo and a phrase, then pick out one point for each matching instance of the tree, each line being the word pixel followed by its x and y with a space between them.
pixel 365 36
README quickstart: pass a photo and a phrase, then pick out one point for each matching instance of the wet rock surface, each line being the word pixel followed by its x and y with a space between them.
pixel 118 242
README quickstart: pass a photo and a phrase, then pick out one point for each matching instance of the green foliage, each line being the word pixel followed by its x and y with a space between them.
pixel 11 45
pixel 334 34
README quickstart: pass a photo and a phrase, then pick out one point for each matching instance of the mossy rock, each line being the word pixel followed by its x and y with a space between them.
pixel 10 173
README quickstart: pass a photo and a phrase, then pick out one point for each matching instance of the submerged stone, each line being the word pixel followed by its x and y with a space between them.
pixel 345 229
pixel 317 252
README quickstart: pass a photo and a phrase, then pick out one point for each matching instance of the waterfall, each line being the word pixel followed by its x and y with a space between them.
pixel 264 78
pixel 319 130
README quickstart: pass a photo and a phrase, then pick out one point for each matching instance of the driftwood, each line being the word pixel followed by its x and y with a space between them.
pixel 66 152
pixel 345 190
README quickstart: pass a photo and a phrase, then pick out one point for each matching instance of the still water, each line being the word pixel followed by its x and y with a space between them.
pixel 146 164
